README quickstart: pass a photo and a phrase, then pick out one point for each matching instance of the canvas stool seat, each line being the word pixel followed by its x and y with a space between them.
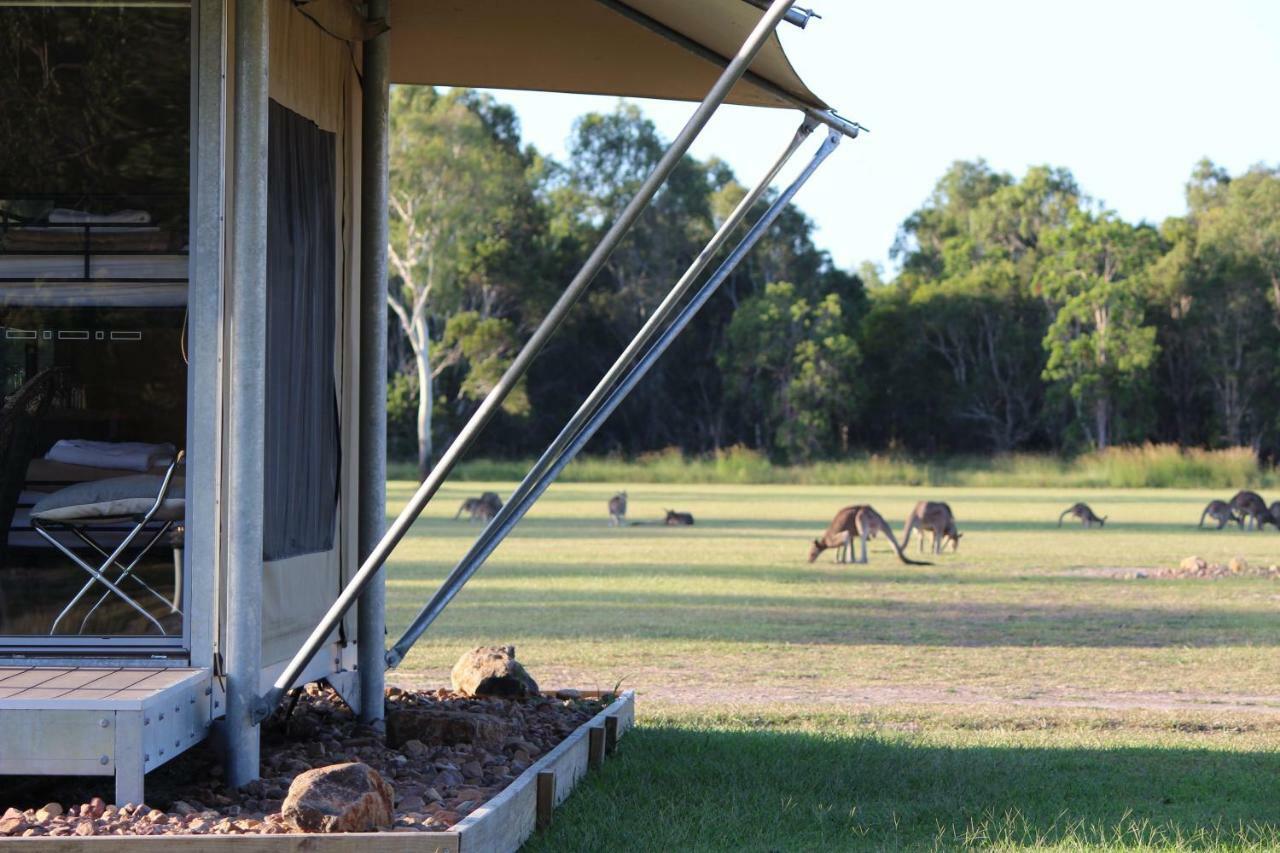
pixel 151 504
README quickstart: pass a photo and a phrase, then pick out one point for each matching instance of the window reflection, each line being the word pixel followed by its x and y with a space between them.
pixel 94 196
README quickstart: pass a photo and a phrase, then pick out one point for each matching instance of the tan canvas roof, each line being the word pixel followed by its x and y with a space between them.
pixel 581 46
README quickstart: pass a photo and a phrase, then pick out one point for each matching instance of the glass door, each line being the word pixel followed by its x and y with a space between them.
pixel 95 106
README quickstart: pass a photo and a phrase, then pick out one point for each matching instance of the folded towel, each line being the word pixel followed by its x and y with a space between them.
pixel 120 456
pixel 63 216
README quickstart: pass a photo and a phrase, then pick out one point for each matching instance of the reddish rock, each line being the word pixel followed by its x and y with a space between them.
pixel 492 671
pixel 13 825
pixel 339 798
pixel 440 725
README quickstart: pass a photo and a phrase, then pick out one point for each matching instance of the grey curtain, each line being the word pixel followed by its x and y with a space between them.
pixel 302 442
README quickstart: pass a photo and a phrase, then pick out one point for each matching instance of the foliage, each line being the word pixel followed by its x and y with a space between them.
pixel 1146 466
pixel 792 366
pixel 1023 317
pixel 1098 343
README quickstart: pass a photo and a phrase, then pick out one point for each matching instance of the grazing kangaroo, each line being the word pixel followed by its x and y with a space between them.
pixel 678 519
pixel 483 508
pixel 1221 512
pixel 618 509
pixel 863 522
pixel 1253 509
pixel 938 519
pixel 1082 511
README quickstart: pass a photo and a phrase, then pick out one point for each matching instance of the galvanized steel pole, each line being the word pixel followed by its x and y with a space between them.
pixel 247 311
pixel 520 365
pixel 516 503
pixel 371 610
pixel 513 511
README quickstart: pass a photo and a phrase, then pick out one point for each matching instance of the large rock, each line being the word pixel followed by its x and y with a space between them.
pixel 339 798
pixel 440 726
pixel 492 671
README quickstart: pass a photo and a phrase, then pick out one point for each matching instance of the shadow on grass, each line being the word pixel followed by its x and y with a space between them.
pixel 672 788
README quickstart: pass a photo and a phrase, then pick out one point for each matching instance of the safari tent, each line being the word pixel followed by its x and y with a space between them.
pixel 193 237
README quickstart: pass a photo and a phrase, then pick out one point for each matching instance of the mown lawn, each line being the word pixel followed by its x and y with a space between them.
pixel 1010 695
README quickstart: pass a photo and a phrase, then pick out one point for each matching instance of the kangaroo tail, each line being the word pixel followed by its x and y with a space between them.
pixel 898 549
pixel 1065 513
pixel 1203 514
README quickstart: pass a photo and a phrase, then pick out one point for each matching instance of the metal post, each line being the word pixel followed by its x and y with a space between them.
pixel 247 346
pixel 520 365
pixel 513 511
pixel 371 610
pixel 615 373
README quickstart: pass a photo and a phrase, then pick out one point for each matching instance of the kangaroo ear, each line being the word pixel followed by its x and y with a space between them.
pixel 817 542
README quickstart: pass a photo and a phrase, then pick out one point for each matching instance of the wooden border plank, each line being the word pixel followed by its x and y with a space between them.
pixel 504 823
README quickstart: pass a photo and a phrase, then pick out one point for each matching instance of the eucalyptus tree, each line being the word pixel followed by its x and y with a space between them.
pixel 1100 346
pixel 456 189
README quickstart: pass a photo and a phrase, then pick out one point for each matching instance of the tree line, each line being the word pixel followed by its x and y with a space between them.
pixel 1023 315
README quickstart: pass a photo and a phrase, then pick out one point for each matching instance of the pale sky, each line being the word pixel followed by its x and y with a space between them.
pixel 1128 94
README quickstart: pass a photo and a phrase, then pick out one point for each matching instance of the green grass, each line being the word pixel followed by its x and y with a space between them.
pixel 836 783
pixel 1009 696
pixel 1148 466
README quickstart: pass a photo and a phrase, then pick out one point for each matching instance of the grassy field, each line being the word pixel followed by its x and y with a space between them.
pixel 1029 691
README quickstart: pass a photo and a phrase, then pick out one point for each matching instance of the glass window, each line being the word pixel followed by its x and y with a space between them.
pixel 95 106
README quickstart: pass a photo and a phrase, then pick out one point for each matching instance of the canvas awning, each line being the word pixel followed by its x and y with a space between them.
pixel 584 47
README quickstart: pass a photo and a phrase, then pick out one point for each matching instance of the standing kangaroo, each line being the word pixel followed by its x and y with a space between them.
pixel 618 509
pixel 863 522
pixel 1082 511
pixel 1221 512
pixel 938 519
pixel 1253 509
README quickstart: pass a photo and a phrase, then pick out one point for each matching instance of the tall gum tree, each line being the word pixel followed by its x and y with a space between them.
pixel 1099 344
pixel 453 198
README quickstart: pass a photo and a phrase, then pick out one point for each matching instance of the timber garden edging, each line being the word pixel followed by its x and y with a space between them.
pixel 500 825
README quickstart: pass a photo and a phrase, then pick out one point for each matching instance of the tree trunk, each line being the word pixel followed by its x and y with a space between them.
pixel 1102 422
pixel 422 359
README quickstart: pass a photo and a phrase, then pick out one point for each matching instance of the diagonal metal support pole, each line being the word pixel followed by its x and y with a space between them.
pixel 575 435
pixel 733 72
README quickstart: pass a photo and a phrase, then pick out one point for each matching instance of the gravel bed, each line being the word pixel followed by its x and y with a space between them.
pixel 437 781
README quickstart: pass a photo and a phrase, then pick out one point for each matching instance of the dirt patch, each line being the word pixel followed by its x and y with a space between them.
pixel 437 780
pixel 1207 571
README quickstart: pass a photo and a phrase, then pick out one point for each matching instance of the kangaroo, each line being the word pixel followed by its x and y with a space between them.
pixel 1253 510
pixel 483 508
pixel 1221 512
pixel 678 519
pixel 618 509
pixel 938 519
pixel 1082 511
pixel 863 522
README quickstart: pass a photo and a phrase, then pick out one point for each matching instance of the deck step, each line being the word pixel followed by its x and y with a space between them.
pixel 96 721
